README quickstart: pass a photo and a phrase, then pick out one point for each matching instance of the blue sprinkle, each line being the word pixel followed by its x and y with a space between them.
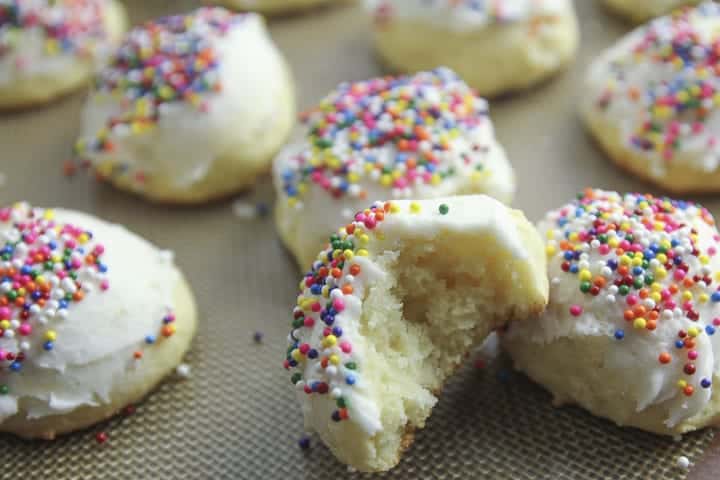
pixel 715 296
pixel 710 330
pixel 705 383
pixel 679 344
pixel 350 380
pixel 48 345
pixel 15 366
pixel 150 339
pixel 304 442
pixel 619 334
pixel 312 353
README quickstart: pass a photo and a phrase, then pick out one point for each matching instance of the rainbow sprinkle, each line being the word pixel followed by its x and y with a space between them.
pixel 46 267
pixel 395 132
pixel 69 27
pixel 675 104
pixel 326 292
pixel 168 60
pixel 642 254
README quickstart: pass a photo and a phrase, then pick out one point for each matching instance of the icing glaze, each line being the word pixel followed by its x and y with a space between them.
pixel 642 273
pixel 80 298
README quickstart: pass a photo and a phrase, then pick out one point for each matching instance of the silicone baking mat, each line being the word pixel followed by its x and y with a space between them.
pixel 236 416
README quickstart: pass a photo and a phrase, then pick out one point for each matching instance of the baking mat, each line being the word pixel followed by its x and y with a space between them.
pixel 236 416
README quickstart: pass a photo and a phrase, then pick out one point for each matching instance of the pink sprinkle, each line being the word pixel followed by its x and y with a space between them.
pixel 576 310
pixel 4 313
pixel 604 249
pixel 370 222
pixel 304 348
pixel 309 322
pixel 104 285
pixel 632 299
pixel 316 307
pixel 346 347
pixel 692 355
pixel 25 329
pixel 679 274
pixel 338 305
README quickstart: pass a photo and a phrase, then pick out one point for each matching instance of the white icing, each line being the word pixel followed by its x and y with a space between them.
pixel 634 359
pixel 472 213
pixel 185 142
pixel 318 213
pixel 467 14
pixel 28 57
pixel 621 71
pixel 95 342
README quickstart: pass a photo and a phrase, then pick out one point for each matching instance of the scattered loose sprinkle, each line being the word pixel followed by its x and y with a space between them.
pixel 183 370
pixel 443 209
pixel 683 462
pixel 101 437
pixel 258 337
pixel 304 442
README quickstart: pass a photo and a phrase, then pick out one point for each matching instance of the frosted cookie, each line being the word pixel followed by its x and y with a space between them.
pixel 496 46
pixel 272 7
pixel 652 101
pixel 391 309
pixel 630 333
pixel 191 108
pixel 419 136
pixel 92 317
pixel 50 48
pixel 641 10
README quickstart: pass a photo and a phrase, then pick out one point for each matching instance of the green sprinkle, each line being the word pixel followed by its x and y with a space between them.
pixel 444 209
pixel 296 378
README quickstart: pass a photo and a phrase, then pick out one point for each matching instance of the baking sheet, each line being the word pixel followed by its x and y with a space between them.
pixel 236 416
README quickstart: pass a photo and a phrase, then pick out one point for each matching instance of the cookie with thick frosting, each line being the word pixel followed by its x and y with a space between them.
pixel 391 308
pixel 496 46
pixel 191 108
pixel 92 317
pixel 421 136
pixel 50 48
pixel 630 332
pixel 652 101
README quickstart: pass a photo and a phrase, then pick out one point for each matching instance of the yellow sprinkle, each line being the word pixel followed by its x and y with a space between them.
pixel 394 208
pixel 693 331
pixel 50 335
pixel 415 207
pixel 573 237
pixel 329 341
pixel 386 180
pixel 364 239
pixel 325 291
pixel 435 179
pixel 297 356
pixel 49 214
pixel 334 359
pixel 550 250
pixel 613 242
pixel 4 324
pixel 656 297
pixel 703 298
pixel 662 258
pixel 687 295
pixel 639 323
pixel 682 383
pixel 656 287
pixel 704 259
pixel 348 254
pixel 362 253
pixel 585 274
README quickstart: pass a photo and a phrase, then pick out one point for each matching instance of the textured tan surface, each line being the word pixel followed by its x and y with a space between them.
pixel 236 417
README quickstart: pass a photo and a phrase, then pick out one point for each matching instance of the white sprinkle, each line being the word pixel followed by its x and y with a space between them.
pixel 24 346
pixel 683 462
pixel 167 256
pixel 183 370
pixel 244 210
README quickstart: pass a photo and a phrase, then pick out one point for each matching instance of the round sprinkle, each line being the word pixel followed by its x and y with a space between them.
pixel 258 337
pixel 304 442
pixel 443 209
pixel 183 370
pixel 683 462
pixel 576 310
pixel 101 437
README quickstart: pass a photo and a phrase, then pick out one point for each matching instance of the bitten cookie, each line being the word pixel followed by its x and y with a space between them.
pixel 641 10
pixel 51 48
pixel 392 307
pixel 420 136
pixel 272 7
pixel 496 47
pixel 92 317
pixel 630 333
pixel 652 101
pixel 191 108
